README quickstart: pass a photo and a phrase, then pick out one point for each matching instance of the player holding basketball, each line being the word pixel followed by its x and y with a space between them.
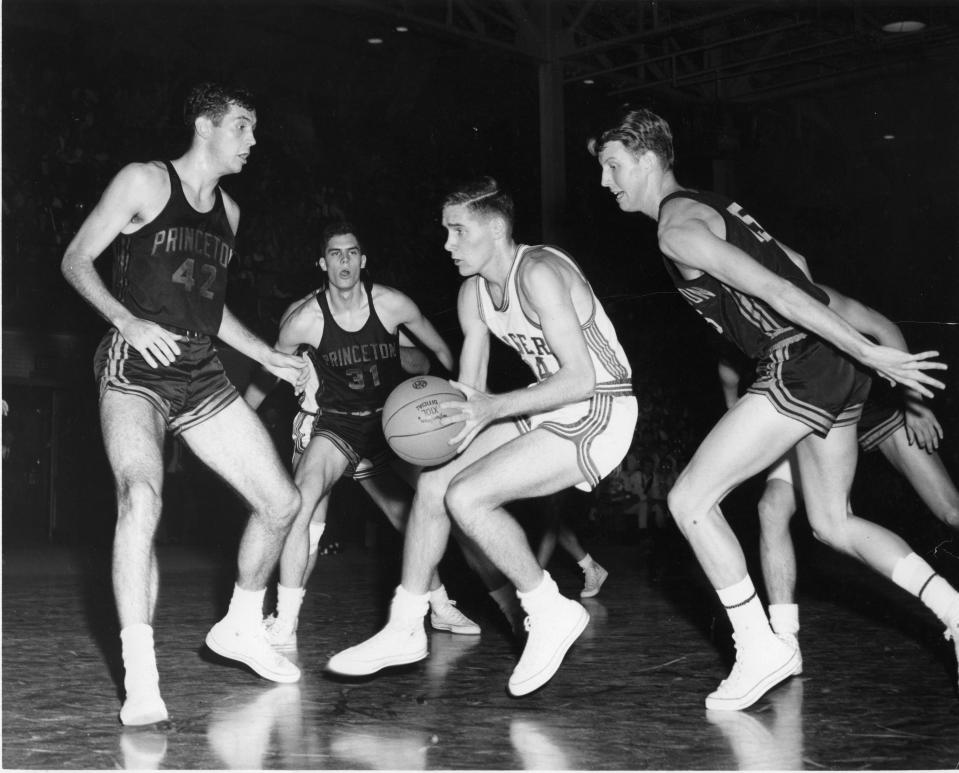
pixel 350 329
pixel 900 426
pixel 758 294
pixel 158 371
pixel 570 428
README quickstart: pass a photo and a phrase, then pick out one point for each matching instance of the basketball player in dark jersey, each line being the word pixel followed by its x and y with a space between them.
pixel 808 394
pixel 897 423
pixel 158 371
pixel 351 331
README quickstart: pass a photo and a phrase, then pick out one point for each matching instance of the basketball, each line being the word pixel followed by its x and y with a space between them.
pixel 411 420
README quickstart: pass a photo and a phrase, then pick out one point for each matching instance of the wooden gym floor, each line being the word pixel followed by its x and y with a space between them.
pixel 878 691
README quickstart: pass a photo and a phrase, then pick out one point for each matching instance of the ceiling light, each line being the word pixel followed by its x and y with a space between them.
pixel 588 81
pixel 903 26
pixel 374 41
pixel 402 29
pixel 889 136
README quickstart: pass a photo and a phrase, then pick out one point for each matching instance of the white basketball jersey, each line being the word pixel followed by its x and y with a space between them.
pixel 510 324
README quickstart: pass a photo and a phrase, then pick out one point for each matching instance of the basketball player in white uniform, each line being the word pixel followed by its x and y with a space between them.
pixel 570 428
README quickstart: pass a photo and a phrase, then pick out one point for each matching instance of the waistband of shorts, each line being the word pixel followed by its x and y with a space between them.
pixel 616 388
pixel 182 331
pixel 359 414
pixel 787 340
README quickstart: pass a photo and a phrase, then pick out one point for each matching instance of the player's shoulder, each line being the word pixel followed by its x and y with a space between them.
pixel 302 311
pixel 145 175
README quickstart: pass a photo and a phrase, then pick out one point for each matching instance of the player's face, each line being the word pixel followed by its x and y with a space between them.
pixel 233 138
pixel 469 240
pixel 623 174
pixel 343 260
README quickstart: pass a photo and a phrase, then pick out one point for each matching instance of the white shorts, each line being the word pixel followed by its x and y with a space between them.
pixel 601 429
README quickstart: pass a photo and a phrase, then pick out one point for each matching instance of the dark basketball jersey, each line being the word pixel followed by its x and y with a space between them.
pixel 173 270
pixel 357 370
pixel 747 321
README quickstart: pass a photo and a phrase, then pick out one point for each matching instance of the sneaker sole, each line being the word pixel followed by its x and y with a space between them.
pixel 462 630
pixel 367 669
pixel 285 677
pixel 781 674
pixel 538 680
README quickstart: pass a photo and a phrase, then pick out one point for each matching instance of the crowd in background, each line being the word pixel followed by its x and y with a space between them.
pixel 64 139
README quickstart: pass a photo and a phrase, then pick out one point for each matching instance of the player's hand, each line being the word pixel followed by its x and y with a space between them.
pixel 899 367
pixel 157 345
pixel 922 426
pixel 475 413
pixel 292 368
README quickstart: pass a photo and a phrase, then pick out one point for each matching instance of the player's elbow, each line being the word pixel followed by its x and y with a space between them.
pixel 582 384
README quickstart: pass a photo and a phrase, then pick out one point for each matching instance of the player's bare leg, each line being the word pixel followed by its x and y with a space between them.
pixel 237 447
pixel 133 433
pixel 927 475
pixel 392 495
pixel 826 469
pixel 746 440
pixel 472 488
pixel 777 555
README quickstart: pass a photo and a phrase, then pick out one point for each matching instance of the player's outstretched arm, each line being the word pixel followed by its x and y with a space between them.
pixel 288 367
pixel 686 238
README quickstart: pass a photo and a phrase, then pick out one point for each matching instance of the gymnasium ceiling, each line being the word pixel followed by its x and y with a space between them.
pixel 704 51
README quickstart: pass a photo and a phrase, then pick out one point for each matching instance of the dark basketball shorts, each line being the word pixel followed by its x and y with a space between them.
pixel 358 437
pixel 812 383
pixel 880 420
pixel 187 392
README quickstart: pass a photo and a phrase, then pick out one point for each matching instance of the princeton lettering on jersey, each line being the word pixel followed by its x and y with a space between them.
pixel 357 353
pixel 194 240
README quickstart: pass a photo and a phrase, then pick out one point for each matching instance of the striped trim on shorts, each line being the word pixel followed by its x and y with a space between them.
pixel 601 428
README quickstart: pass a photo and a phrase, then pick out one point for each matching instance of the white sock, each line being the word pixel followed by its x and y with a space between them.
pixel 784 618
pixel 139 656
pixel 408 606
pixel 438 597
pixel 914 575
pixel 246 606
pixel 745 610
pixel 542 594
pixel 288 602
pixel 585 562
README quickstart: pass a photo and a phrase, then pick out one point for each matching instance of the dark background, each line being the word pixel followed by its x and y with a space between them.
pixel 375 134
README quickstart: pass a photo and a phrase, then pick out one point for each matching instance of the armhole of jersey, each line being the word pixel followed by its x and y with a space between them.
pixel 593 300
pixel 479 299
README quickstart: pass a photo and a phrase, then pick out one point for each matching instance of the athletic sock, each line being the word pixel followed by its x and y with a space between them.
pixel 784 618
pixel 438 597
pixel 139 656
pixel 585 562
pixel 246 606
pixel 745 610
pixel 288 602
pixel 914 575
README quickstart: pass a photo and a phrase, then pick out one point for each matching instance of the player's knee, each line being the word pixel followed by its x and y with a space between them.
pixel 832 532
pixel 461 501
pixel 280 511
pixel 772 513
pixel 138 498
pixel 431 489
pixel 682 505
